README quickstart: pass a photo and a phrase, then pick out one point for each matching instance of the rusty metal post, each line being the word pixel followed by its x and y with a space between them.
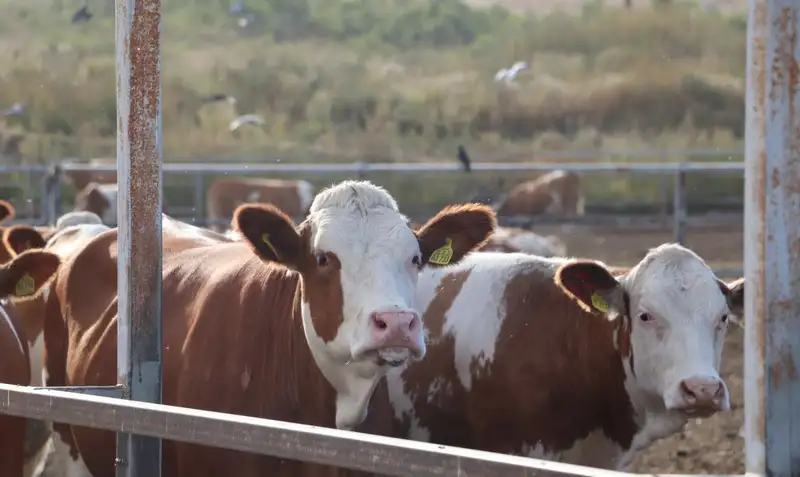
pixel 138 49
pixel 772 240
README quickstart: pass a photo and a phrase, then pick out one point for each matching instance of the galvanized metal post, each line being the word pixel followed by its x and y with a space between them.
pixel 772 239
pixel 679 206
pixel 138 49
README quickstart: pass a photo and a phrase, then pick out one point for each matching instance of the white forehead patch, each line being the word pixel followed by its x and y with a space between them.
pixel 354 196
pixel 672 277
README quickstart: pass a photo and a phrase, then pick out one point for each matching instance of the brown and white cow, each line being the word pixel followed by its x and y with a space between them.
pixel 512 239
pixel 557 358
pixel 557 192
pixel 293 197
pixel 81 179
pixel 20 279
pixel 297 323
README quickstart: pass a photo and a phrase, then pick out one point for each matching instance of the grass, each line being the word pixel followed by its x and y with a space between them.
pixel 388 80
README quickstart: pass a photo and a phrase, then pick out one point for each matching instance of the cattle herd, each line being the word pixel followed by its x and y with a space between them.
pixel 333 309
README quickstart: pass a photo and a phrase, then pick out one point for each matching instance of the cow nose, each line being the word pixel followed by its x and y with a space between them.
pixel 393 329
pixel 703 392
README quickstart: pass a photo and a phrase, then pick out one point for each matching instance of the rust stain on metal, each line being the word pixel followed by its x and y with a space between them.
pixel 144 50
pixel 783 369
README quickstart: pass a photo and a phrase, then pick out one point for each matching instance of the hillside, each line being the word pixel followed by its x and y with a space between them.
pixel 381 79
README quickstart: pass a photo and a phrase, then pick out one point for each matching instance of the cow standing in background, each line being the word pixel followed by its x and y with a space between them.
pixel 557 192
pixel 225 194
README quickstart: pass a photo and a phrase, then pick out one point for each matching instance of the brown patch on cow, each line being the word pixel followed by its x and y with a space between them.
pixel 468 226
pixel 7 211
pixel 90 199
pixel 226 194
pixel 14 369
pixel 555 377
pixel 322 290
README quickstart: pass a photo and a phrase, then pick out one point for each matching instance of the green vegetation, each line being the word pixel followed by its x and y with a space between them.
pixel 388 79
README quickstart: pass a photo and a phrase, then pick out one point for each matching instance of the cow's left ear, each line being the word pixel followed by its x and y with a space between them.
pixel 25 275
pixel 593 287
pixel 734 293
pixel 455 231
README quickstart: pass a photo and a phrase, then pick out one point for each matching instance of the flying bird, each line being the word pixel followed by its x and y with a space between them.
pixel 16 109
pixel 253 119
pixel 463 157
pixel 82 15
pixel 218 97
pixel 508 75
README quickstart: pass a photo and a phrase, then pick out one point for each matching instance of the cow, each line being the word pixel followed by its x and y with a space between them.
pixel 7 213
pixel 72 231
pixel 298 323
pixel 558 358
pixel 20 279
pixel 557 192
pixel 512 239
pixel 225 194
pixel 101 199
pixel 82 178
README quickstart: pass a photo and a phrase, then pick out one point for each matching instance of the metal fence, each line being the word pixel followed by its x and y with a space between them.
pixel 772 267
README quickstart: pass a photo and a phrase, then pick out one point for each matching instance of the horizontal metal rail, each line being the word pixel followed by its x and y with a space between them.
pixel 352 450
pixel 366 167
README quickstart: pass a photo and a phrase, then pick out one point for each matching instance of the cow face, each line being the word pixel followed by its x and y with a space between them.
pixel 676 313
pixel 359 261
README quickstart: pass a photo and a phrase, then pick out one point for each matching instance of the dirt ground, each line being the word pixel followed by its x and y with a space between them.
pixel 707 446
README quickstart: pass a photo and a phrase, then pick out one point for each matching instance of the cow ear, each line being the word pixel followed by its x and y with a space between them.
pixel 593 287
pixel 734 293
pixel 7 211
pixel 455 231
pixel 25 275
pixel 19 238
pixel 270 233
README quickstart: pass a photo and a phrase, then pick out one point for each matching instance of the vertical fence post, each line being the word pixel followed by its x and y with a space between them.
pixel 199 196
pixel 138 44
pixel 772 240
pixel 679 206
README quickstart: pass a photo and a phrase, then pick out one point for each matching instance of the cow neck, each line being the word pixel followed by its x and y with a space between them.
pixel 352 383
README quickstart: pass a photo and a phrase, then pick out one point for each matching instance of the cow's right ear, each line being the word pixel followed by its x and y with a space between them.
pixel 19 238
pixel 593 287
pixel 271 233
pixel 7 211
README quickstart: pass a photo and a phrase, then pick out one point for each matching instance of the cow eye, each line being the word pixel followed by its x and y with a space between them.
pixel 322 259
pixel 416 260
pixel 724 318
pixel 645 318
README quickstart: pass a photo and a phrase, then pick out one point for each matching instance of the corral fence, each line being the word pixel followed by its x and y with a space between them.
pixel 772 267
pixel 52 202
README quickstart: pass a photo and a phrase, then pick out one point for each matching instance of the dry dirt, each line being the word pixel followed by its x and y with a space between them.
pixel 707 446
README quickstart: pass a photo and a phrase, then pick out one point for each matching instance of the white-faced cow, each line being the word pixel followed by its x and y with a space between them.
pixel 297 323
pixel 559 359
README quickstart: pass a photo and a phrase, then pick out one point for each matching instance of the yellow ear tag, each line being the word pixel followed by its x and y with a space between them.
pixel 25 286
pixel 599 303
pixel 265 239
pixel 443 255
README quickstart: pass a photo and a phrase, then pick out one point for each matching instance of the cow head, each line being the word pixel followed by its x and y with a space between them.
pixel 675 312
pixel 359 262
